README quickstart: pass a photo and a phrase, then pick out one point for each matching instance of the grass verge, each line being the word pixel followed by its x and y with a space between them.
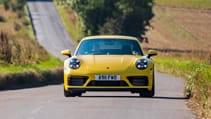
pixel 198 77
pixel 40 66
pixel 32 75
pixel 72 24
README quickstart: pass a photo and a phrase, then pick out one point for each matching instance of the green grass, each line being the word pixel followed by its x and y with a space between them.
pixel 52 63
pixel 185 3
pixel 184 67
pixel 197 75
pixel 31 75
pixel 74 28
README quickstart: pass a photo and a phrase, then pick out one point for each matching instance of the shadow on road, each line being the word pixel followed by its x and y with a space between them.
pixel 171 97
pixel 155 97
pixel 109 96
pixel 40 0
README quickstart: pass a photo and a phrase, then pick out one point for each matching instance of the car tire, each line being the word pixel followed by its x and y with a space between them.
pixel 69 93
pixel 146 92
pixel 79 94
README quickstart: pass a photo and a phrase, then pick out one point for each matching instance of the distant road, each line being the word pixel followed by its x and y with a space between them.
pixel 50 31
pixel 49 103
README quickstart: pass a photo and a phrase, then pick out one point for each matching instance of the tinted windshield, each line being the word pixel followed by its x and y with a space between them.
pixel 109 47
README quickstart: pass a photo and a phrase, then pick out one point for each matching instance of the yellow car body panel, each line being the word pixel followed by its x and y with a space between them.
pixel 108 64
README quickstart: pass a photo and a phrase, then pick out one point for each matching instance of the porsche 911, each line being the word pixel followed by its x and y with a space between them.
pixel 109 63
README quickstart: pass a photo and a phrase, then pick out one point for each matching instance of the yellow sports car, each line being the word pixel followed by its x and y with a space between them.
pixel 109 63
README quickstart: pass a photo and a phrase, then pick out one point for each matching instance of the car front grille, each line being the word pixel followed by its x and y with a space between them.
pixel 77 80
pixel 138 80
pixel 107 83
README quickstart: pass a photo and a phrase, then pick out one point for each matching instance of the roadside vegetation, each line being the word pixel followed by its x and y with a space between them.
pixel 31 75
pixel 20 53
pixel 71 21
pixel 197 75
pixel 18 45
pixel 109 16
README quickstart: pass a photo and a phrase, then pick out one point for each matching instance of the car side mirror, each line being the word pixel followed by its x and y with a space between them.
pixel 151 53
pixel 66 52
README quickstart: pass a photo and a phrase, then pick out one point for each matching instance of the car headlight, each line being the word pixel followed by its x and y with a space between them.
pixel 74 63
pixel 141 64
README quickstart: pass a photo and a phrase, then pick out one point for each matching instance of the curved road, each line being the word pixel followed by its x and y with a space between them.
pixel 49 103
pixel 48 27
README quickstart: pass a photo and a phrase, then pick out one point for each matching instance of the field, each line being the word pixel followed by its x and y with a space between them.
pixel 178 30
pixel 204 4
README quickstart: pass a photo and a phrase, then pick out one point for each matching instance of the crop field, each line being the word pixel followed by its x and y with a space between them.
pixel 204 4
pixel 181 31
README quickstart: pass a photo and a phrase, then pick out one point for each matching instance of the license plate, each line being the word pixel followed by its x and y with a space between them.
pixel 107 77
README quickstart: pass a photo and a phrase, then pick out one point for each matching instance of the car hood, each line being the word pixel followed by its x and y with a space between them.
pixel 107 63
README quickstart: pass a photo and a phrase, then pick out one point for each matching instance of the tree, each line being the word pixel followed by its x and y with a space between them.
pixel 124 17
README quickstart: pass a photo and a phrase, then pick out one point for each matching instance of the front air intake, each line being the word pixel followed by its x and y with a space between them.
pixel 107 83
pixel 138 80
pixel 77 80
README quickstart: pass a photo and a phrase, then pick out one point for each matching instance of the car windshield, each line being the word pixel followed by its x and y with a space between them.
pixel 109 47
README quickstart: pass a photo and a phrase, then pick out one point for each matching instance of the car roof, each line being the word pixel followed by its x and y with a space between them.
pixel 110 37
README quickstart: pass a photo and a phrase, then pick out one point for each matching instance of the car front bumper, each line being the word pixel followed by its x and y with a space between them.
pixel 127 83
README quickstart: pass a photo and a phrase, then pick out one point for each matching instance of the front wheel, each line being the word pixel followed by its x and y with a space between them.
pixel 147 93
pixel 71 93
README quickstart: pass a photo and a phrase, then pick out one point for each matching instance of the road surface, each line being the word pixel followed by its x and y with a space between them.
pixel 49 103
pixel 49 30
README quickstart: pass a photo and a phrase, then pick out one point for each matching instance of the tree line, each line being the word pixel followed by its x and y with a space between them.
pixel 122 17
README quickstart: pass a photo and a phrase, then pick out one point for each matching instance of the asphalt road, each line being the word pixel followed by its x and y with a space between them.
pixel 49 30
pixel 49 103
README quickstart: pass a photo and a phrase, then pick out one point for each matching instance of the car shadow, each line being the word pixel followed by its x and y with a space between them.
pixel 40 0
pixel 155 97
pixel 172 97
